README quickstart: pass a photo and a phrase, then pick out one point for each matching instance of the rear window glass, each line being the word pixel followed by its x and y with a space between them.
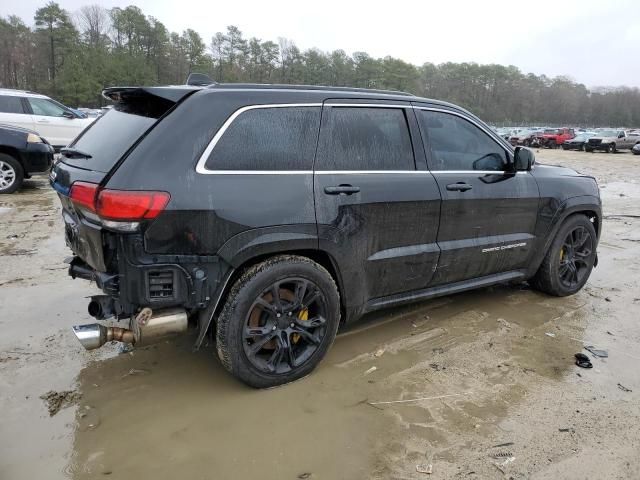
pixel 109 137
pixel 282 138
pixel 10 104
pixel 362 138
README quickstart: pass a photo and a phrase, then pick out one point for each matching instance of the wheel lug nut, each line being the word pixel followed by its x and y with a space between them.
pixel 289 313
pixel 278 315
pixel 292 325
pixel 273 328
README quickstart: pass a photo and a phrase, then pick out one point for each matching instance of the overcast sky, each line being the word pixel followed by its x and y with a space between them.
pixel 596 42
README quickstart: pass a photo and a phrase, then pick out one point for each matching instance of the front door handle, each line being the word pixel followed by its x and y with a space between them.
pixel 43 121
pixel 341 190
pixel 459 187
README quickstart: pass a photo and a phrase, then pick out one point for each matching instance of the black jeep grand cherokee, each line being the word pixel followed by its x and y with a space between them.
pixel 267 215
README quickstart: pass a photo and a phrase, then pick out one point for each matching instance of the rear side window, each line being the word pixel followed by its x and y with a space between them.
pixel 367 138
pixel 10 104
pixel 276 138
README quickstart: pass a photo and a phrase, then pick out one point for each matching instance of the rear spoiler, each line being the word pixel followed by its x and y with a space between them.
pixel 127 94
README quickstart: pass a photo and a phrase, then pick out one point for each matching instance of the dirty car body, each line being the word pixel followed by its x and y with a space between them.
pixel 268 215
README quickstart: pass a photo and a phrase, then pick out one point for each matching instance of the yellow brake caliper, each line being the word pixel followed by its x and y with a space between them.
pixel 304 316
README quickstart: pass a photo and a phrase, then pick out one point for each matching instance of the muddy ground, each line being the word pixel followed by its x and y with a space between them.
pixel 454 377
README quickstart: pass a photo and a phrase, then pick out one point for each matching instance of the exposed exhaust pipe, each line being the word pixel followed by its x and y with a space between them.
pixel 145 328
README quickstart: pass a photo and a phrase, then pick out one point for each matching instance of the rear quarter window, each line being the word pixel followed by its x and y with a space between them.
pixel 272 138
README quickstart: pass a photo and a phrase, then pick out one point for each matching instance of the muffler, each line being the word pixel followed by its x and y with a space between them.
pixel 146 328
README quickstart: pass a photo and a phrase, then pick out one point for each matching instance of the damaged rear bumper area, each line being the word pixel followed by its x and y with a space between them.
pixel 157 293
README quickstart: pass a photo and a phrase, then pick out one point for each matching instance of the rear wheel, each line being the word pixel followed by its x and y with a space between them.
pixel 278 322
pixel 570 259
pixel 11 174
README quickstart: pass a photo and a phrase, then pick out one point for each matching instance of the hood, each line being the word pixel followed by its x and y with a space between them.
pixel 604 139
pixel 557 170
pixel 17 129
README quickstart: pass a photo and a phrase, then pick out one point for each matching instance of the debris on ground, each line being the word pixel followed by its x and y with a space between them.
pixel 583 361
pixel 565 430
pixel 501 455
pixel 371 370
pixel 379 352
pixel 136 371
pixel 500 466
pixel 304 475
pixel 56 401
pixel 624 389
pixel 424 468
pixel 549 334
pixel 437 367
pixel 597 352
pixel 506 444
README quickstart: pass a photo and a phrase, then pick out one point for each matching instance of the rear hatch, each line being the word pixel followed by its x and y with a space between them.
pixel 84 168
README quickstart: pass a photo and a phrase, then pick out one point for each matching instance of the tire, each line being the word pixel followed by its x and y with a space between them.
pixel 11 174
pixel 256 332
pixel 549 277
pixel 588 149
pixel 611 148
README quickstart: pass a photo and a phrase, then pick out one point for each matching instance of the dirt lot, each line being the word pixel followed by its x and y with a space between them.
pixel 455 377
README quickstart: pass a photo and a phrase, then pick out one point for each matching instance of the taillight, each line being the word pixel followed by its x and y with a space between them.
pixel 84 195
pixel 130 206
pixel 119 205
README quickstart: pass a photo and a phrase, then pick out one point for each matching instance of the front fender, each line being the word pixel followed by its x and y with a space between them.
pixel 572 205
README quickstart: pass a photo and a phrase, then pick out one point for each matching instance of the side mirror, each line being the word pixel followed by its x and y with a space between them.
pixel 621 135
pixel 523 159
pixel 68 114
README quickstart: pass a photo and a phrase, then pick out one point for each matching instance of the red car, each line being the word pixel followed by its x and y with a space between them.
pixel 554 137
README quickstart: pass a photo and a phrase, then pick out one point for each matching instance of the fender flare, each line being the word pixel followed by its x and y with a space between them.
pixel 569 207
pixel 250 244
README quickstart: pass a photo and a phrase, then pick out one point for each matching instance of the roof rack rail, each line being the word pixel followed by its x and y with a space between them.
pixel 268 86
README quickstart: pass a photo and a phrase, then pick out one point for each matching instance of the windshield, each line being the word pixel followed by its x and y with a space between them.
pixel 608 133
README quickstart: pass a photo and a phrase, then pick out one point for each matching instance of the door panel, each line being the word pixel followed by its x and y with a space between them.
pixel 380 224
pixel 12 112
pixel 487 229
pixel 489 212
pixel 52 125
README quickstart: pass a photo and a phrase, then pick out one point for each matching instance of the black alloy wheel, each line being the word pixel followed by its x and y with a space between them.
pixel 278 321
pixel 285 325
pixel 575 257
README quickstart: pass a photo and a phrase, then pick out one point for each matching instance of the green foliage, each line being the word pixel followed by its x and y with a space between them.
pixel 123 46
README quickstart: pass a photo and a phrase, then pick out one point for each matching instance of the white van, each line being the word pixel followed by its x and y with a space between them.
pixel 50 119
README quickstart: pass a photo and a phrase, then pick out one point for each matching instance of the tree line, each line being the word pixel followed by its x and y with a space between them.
pixel 72 57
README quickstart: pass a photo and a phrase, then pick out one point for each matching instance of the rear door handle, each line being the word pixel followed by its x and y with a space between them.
pixel 459 187
pixel 341 190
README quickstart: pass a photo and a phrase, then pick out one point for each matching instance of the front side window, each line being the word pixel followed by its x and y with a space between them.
pixel 367 138
pixel 272 138
pixel 457 144
pixel 45 107
pixel 10 104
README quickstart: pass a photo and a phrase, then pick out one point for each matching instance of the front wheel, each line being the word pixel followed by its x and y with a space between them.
pixel 11 174
pixel 611 148
pixel 568 263
pixel 279 319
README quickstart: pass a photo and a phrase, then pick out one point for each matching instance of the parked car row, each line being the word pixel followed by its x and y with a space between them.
pixel 608 140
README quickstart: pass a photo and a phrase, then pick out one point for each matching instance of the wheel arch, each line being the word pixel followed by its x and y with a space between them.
pixel 12 152
pixel 587 205
pixel 253 247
